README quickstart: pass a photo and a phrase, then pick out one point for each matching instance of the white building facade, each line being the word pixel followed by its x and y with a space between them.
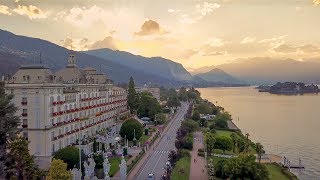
pixel 55 108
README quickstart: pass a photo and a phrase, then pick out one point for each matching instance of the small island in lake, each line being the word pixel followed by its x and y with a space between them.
pixel 289 88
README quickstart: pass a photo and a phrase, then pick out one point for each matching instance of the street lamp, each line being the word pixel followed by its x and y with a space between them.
pixel 80 146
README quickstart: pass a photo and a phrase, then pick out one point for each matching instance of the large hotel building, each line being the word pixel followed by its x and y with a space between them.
pixel 56 107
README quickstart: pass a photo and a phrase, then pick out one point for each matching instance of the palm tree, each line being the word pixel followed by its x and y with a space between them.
pixel 247 143
pixel 260 150
pixel 234 140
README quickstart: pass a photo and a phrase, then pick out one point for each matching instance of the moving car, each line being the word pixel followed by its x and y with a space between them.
pixel 151 177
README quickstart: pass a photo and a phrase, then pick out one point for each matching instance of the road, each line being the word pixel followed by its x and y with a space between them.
pixel 156 162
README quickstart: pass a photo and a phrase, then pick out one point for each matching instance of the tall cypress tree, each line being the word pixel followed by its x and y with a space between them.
pixel 132 96
pixel 8 124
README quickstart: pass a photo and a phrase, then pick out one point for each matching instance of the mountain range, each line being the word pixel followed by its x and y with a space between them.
pixel 16 50
pixel 266 70
pixel 218 75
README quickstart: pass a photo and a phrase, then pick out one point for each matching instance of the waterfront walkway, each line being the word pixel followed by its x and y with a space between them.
pixel 198 170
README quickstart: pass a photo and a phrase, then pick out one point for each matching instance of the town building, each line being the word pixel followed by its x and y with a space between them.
pixel 153 90
pixel 57 108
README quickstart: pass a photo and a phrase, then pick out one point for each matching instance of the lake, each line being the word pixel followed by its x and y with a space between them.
pixel 285 125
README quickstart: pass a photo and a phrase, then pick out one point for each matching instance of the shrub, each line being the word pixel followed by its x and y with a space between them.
pixel 200 150
pixel 183 153
pixel 201 154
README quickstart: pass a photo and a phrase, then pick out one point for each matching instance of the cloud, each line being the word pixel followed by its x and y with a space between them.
pixel 187 53
pixel 215 42
pixel 316 2
pixel 150 27
pixel 67 43
pixel 33 12
pixel 107 42
pixel 273 39
pixel 83 16
pixel 207 8
pixel 284 48
pixel 247 40
pixel 78 44
pixel 309 48
pixel 303 49
pixel 5 10
pixel 199 11
pixel 216 53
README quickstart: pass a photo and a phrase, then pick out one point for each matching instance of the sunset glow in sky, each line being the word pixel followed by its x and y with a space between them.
pixel 195 33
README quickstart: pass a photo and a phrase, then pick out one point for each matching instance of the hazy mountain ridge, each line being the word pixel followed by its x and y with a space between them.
pixel 19 50
pixel 154 65
pixel 266 70
pixel 218 75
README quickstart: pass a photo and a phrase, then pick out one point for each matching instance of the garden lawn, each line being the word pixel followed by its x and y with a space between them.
pixel 276 173
pixel 224 133
pixel 182 169
pixel 228 134
pixel 114 161
pixel 143 139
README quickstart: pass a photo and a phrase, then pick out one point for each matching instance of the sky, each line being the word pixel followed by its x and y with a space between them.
pixel 195 33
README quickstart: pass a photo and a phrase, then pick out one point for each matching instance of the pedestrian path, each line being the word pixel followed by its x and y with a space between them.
pixel 198 168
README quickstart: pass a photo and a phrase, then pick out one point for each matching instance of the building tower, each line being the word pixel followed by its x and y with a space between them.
pixel 72 59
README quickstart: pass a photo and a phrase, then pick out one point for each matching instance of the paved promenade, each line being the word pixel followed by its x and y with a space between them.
pixel 198 170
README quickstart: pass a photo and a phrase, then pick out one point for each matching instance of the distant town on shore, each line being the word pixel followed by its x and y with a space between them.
pixel 289 88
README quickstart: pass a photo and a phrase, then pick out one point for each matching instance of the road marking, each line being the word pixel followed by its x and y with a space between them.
pixel 173 128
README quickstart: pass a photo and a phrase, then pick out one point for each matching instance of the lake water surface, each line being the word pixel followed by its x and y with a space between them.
pixel 285 125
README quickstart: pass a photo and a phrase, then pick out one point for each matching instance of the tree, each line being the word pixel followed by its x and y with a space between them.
pixel 182 94
pixel 58 170
pixel 148 106
pixel 21 164
pixel 161 118
pixel 128 127
pixel 173 157
pixel 242 167
pixel 209 142
pixel 247 143
pixel 173 101
pixel 196 115
pixel 220 123
pixel 260 150
pixel 132 96
pixel 8 124
pixel 69 155
pixel 224 143
pixel 235 140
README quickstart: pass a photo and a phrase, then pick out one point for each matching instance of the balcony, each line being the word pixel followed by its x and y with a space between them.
pixel 24 125
pixel 24 114
pixel 24 103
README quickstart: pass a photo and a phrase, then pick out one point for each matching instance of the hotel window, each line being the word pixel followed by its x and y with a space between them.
pixel 60 131
pixel 25 122
pixel 24 99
